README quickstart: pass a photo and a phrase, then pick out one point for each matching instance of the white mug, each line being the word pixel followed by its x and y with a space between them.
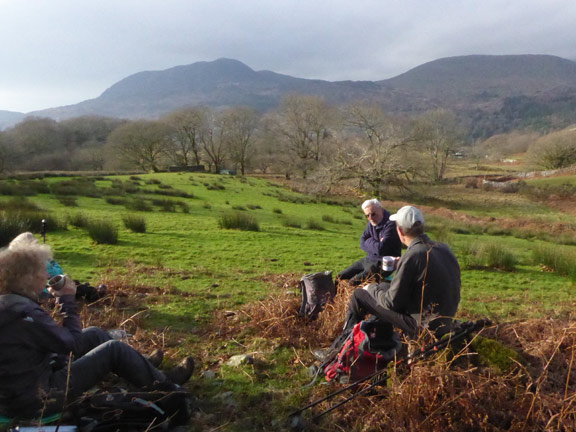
pixel 388 263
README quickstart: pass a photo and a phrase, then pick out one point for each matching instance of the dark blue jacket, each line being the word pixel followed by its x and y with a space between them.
pixel 31 341
pixel 381 240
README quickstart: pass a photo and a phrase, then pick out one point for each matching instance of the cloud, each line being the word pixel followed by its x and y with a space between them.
pixel 66 47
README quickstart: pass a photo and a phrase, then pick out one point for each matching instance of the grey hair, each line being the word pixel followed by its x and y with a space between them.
pixel 371 203
pixel 21 240
pixel 19 268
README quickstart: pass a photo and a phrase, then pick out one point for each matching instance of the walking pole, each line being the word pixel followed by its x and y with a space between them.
pixel 43 230
pixel 463 330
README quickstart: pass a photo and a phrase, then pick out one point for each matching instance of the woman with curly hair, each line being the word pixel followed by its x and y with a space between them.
pixel 44 364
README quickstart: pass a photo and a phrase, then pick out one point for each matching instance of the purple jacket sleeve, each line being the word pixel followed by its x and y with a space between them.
pixel 367 241
pixel 381 241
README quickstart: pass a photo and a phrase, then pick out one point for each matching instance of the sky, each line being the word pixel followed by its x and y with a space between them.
pixel 62 52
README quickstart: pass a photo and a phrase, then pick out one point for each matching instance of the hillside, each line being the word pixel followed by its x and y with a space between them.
pixel 483 77
pixel 8 118
pixel 218 84
pixel 495 93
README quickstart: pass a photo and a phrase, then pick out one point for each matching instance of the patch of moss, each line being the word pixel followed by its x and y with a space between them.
pixel 493 354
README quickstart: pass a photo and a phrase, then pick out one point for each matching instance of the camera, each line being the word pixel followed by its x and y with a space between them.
pixel 57 282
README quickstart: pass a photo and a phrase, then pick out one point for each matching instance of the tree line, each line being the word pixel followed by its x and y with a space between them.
pixel 304 136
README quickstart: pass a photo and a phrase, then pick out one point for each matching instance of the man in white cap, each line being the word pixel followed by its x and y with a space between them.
pixel 424 291
pixel 379 239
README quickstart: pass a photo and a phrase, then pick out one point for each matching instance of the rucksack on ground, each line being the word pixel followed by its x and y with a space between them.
pixel 113 411
pixel 369 347
pixel 317 290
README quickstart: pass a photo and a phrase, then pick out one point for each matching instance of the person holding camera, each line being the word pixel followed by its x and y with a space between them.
pixel 46 364
pixel 379 239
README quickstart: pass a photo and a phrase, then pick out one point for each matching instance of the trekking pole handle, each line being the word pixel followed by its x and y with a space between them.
pixel 43 230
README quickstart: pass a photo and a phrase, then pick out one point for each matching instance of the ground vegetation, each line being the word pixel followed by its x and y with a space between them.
pixel 198 282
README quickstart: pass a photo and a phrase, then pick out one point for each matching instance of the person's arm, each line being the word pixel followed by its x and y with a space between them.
pixel 50 336
pixel 389 243
pixel 368 242
pixel 57 338
pixel 400 294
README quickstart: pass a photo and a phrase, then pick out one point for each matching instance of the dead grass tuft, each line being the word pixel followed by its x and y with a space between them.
pixel 277 317
pixel 126 307
pixel 455 392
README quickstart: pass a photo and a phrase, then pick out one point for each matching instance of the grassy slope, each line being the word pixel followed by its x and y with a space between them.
pixel 226 268
pixel 189 251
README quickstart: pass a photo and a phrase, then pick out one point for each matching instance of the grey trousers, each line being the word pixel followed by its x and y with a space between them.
pixel 363 303
pixel 96 357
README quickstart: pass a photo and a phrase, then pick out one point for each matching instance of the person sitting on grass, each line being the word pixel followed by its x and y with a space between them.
pixel 379 239
pixel 425 289
pixel 83 290
pixel 45 365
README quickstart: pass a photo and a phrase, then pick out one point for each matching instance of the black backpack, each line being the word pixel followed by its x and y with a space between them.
pixel 118 411
pixel 317 290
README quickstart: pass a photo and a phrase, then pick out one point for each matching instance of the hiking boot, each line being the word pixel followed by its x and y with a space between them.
pixel 155 358
pixel 101 289
pixel 89 293
pixel 181 373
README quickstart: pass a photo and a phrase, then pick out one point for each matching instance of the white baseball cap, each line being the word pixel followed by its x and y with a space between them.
pixel 407 216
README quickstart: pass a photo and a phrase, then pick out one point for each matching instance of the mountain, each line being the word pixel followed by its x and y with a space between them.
pixel 487 90
pixel 9 118
pixel 218 84
pixel 468 76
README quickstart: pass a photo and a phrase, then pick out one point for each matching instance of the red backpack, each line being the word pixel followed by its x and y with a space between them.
pixel 370 347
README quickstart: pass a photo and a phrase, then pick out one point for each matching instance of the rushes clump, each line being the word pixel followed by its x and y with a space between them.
pixel 488 255
pixel 78 220
pixel 135 223
pixel 103 232
pixel 240 221
pixel 68 200
pixel 10 227
pixel 291 222
pixel 313 224
pixel 553 258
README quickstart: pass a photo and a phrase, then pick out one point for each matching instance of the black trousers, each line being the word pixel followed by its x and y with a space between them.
pixel 363 303
pixel 361 270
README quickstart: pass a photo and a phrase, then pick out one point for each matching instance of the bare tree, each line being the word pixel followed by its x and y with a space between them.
pixel 90 157
pixel 372 149
pixel 213 144
pixel 304 122
pixel 188 124
pixel 555 150
pixel 142 143
pixel 238 128
pixel 38 143
pixel 437 133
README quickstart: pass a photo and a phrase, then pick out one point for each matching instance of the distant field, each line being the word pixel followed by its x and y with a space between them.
pixel 553 181
pixel 185 248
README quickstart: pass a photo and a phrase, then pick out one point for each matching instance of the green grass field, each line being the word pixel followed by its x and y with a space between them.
pixel 187 250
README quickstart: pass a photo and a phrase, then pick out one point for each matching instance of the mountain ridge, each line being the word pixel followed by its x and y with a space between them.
pixel 465 83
